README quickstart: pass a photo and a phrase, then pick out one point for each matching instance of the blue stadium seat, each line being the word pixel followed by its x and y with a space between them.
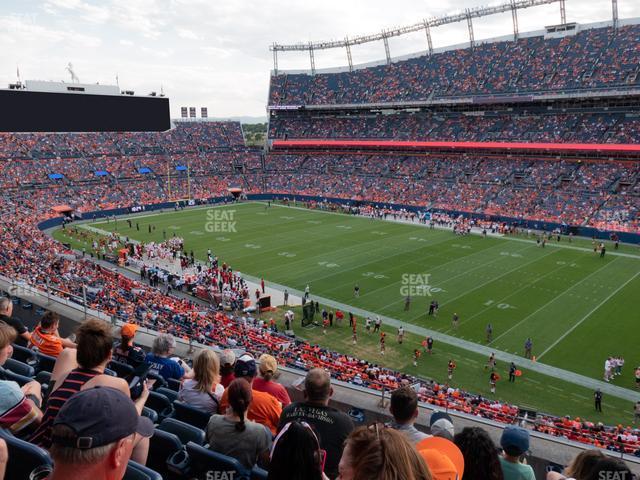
pixel 122 369
pixel 25 355
pixel 160 381
pixel 258 473
pixel 169 393
pixel 45 362
pixel 21 368
pixel 185 432
pixel 162 446
pixel 192 416
pixel 174 384
pixel 135 471
pixel 25 459
pixel 150 414
pixel 43 378
pixel 19 379
pixel 202 460
pixel 160 404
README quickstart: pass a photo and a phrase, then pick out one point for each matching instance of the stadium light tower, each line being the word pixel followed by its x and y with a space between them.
pixel 312 58
pixel 563 13
pixel 614 9
pixel 427 30
pixel 275 60
pixel 347 45
pixel 385 40
pixel 472 42
pixel 514 16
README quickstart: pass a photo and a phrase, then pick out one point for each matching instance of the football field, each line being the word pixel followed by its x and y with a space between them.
pixel 576 307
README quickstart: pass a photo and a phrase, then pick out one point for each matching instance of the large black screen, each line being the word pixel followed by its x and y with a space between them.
pixel 22 111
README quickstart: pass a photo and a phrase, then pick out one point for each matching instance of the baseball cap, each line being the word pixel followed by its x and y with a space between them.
pixel 443 457
pixel 129 330
pixel 441 425
pixel 90 415
pixel 267 363
pixel 245 366
pixel 515 439
pixel 227 357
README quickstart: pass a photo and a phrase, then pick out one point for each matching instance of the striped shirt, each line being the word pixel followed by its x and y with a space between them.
pixel 72 384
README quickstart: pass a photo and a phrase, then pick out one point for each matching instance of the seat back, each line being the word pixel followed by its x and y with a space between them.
pixel 204 460
pixel 19 379
pixel 258 473
pixel 122 369
pixel 192 416
pixel 21 368
pixel 25 458
pixel 172 395
pixel 174 384
pixel 135 471
pixel 162 446
pixel 45 362
pixel 185 432
pixel 160 381
pixel 150 414
pixel 161 404
pixel 24 354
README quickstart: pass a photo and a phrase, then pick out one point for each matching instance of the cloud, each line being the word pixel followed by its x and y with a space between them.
pixel 216 53
pixel 187 34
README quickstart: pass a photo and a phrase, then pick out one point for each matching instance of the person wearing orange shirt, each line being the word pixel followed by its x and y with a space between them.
pixel 46 339
pixel 264 407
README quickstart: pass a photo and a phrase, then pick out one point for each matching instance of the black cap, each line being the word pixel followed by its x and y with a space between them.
pixel 100 416
pixel 245 366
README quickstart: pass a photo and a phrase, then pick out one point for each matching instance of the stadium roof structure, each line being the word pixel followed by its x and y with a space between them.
pixel 469 14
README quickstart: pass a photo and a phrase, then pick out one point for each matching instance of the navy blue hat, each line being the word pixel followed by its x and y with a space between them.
pixel 245 366
pixel 515 439
pixel 99 416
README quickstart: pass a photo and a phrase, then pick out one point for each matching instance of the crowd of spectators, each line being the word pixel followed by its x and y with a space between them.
pixel 593 58
pixel 600 194
pixel 32 257
pixel 515 126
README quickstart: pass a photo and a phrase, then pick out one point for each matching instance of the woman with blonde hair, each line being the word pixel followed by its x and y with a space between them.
pixel 265 382
pixel 579 467
pixel 204 390
pixel 380 453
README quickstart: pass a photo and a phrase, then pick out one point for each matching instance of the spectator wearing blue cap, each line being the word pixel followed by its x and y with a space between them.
pixel 515 443
pixel 87 443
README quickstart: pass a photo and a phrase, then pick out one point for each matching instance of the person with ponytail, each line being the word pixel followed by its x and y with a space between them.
pixel 126 351
pixel 233 434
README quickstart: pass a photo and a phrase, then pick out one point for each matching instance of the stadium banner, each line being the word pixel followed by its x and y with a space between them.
pixel 183 112
pixel 203 112
pixel 192 112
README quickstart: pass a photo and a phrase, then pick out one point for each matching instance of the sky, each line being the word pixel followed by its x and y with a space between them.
pixel 215 53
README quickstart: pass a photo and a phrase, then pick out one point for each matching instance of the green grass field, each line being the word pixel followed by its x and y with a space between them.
pixel 577 308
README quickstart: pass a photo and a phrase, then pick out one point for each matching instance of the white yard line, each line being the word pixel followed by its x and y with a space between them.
pixel 549 303
pixel 579 322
